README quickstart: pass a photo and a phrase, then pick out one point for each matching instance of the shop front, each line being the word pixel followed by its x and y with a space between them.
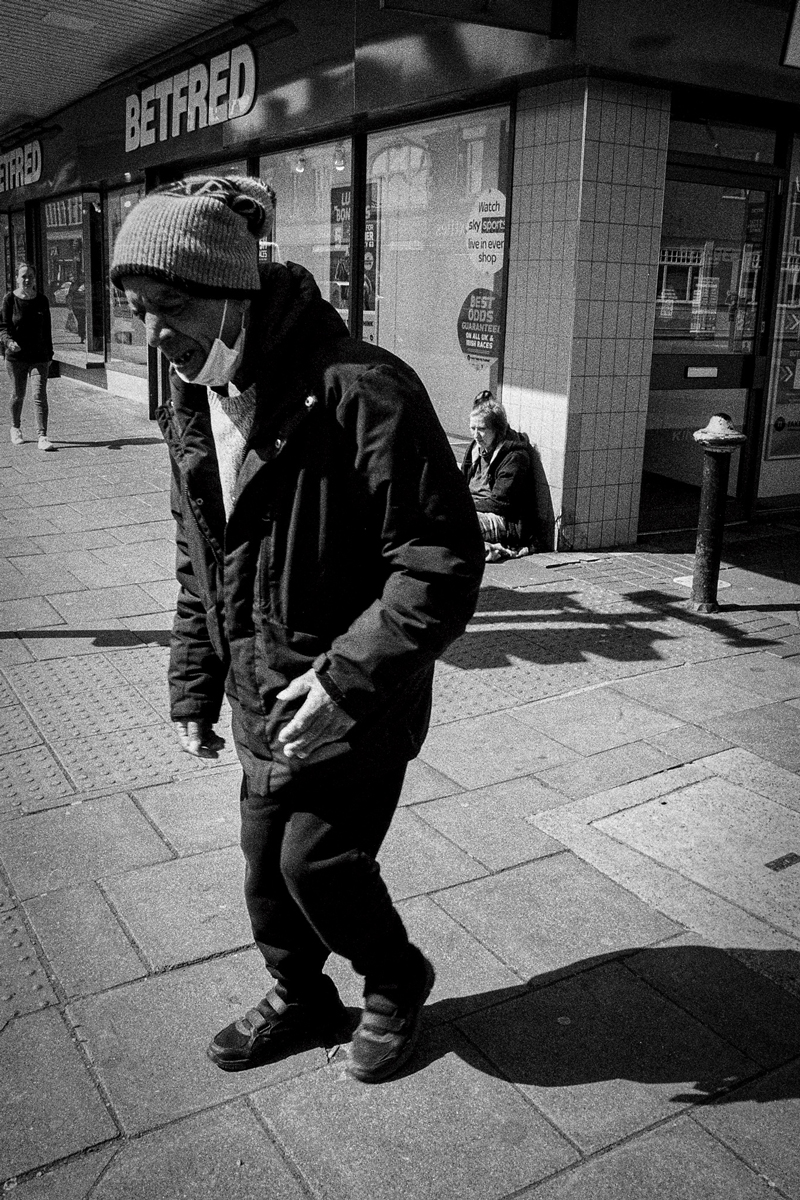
pixel 502 208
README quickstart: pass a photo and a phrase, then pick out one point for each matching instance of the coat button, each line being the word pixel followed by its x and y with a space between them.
pixel 278 443
pixel 199 501
pixel 311 401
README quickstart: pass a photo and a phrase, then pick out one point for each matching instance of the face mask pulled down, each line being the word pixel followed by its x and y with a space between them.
pixel 222 361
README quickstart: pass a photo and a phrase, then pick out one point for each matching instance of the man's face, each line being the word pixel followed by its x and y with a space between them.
pixel 485 437
pixel 181 326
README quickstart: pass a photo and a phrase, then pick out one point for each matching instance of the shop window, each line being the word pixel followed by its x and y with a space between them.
pixel 126 346
pixel 8 274
pixel 19 253
pixel 783 419
pixel 435 258
pixel 72 276
pixel 313 190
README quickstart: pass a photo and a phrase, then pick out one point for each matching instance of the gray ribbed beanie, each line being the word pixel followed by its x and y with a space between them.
pixel 200 234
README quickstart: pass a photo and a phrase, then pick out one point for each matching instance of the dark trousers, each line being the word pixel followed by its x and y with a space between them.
pixel 312 884
pixel 18 373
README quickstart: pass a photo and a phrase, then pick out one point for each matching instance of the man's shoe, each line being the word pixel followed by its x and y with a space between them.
pixel 387 1033
pixel 275 1029
pixel 16 436
pixel 44 442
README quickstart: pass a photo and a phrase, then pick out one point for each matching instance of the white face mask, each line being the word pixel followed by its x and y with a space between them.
pixel 220 366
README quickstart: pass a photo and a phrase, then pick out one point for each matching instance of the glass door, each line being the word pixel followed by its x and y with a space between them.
pixel 708 343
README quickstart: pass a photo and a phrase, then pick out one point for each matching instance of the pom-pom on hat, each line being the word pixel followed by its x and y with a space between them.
pixel 199 234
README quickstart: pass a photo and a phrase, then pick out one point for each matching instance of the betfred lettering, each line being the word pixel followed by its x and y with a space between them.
pixel 193 99
pixel 20 166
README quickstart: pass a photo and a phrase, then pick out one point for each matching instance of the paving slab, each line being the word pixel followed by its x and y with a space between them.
pixel 147 1040
pixel 604 1056
pixel 17 731
pixel 197 814
pixel 50 1107
pixel 415 858
pixel 31 780
pixel 85 695
pixel 70 924
pixel 494 825
pixel 743 767
pixel 127 759
pixel 551 914
pixel 457 693
pixel 484 750
pixel 88 840
pixel 596 720
pixel 7 696
pixel 97 603
pixel 24 986
pixel 772 732
pixel 686 743
pixel 607 769
pixel 32 613
pixel 12 650
pixel 446 1129
pixel 676 1162
pixel 739 1002
pixel 759 1124
pixel 764 674
pixel 72 1180
pixel 184 909
pixel 423 783
pixel 722 836
pixel 686 693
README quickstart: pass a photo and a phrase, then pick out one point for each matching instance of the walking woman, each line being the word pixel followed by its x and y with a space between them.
pixel 27 339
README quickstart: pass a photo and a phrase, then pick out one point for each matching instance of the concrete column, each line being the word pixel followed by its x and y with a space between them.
pixel 590 161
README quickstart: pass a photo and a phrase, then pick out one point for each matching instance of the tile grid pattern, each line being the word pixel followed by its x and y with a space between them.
pixel 588 196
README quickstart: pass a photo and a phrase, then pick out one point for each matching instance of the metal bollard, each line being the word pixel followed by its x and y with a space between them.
pixel 719 439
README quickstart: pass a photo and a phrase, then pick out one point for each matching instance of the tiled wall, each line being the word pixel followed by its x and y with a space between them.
pixel 590 159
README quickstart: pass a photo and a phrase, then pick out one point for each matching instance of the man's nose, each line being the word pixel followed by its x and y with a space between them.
pixel 156 330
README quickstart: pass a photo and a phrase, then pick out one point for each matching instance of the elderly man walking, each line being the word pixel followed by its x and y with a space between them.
pixel 328 552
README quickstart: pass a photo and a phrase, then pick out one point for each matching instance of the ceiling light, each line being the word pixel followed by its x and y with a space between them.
pixel 65 20
pixel 300 164
pixel 339 159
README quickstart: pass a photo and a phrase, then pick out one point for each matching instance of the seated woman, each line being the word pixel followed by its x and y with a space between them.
pixel 498 466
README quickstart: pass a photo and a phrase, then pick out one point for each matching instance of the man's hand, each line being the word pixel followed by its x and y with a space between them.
pixel 198 738
pixel 318 722
pixel 13 346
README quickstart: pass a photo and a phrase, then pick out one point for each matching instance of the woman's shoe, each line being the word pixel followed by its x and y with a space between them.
pixel 44 442
pixel 16 436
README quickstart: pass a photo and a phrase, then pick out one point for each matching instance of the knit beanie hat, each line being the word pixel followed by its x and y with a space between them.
pixel 199 234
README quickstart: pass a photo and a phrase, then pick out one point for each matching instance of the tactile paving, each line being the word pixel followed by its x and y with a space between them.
pixel 83 695
pixel 6 694
pixel 24 986
pixel 17 731
pixel 146 670
pixel 142 755
pixel 31 780
pixel 458 694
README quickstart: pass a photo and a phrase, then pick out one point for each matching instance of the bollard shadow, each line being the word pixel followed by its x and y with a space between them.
pixel 692 1017
pixel 555 624
pixel 107 444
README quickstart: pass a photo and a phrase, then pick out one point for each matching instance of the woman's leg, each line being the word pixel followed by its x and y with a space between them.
pixel 18 375
pixel 39 373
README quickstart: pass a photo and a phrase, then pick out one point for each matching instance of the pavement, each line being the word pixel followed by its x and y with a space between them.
pixel 599 847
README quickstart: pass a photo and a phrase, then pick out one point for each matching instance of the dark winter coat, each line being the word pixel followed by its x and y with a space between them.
pixel 26 322
pixel 352 546
pixel 511 480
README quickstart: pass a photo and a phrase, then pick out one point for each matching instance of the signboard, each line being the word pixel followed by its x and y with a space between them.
pixel 480 329
pixel 204 95
pixel 486 232
pixel 20 166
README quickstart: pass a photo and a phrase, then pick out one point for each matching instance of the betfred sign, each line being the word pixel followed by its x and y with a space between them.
pixel 206 94
pixel 21 166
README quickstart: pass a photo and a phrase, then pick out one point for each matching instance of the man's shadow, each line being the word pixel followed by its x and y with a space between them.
pixel 691 1016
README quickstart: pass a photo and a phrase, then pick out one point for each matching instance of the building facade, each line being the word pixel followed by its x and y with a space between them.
pixel 590 208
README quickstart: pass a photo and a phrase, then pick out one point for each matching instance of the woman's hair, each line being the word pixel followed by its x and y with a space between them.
pixel 484 405
pixel 24 266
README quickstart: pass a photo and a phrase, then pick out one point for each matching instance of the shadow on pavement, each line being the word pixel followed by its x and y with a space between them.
pixel 645 1017
pixel 555 626
pixel 99 637
pixel 105 444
